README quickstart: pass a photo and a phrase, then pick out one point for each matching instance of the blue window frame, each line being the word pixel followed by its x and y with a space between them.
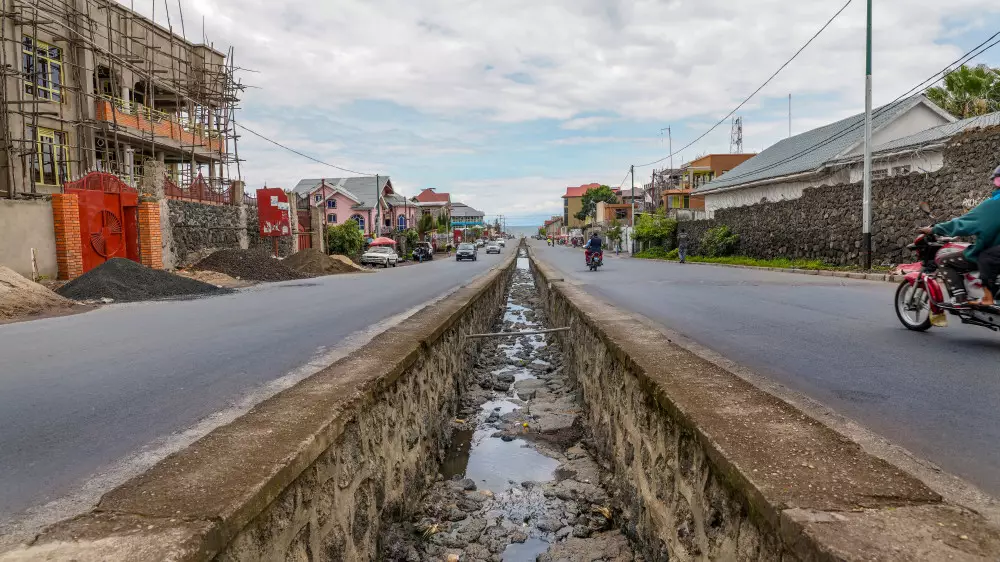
pixel 401 222
pixel 331 203
pixel 331 218
pixel 360 220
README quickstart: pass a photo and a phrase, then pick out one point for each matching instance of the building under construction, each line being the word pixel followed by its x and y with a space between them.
pixel 91 85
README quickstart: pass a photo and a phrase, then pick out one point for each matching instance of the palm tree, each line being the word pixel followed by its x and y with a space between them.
pixel 968 91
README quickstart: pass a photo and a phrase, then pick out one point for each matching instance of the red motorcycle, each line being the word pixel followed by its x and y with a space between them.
pixel 594 259
pixel 922 298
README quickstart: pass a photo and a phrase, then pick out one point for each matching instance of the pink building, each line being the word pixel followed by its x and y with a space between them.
pixel 377 209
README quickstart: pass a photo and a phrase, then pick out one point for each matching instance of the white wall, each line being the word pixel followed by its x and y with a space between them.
pixel 918 163
pixel 917 119
pixel 25 225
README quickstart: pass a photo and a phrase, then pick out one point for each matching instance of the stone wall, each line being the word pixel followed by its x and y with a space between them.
pixel 256 241
pixel 310 473
pixel 198 229
pixel 705 466
pixel 825 223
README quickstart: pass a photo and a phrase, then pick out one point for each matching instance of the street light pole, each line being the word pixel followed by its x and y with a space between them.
pixel 631 170
pixel 867 203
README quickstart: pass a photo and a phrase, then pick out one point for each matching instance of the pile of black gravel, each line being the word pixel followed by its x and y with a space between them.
pixel 127 281
pixel 251 265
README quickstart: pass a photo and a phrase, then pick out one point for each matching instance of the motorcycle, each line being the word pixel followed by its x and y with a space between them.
pixel 922 298
pixel 595 260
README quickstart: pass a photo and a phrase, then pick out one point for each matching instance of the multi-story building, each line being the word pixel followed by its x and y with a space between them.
pixel 464 216
pixel 92 85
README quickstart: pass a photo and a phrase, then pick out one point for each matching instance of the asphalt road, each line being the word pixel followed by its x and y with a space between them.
pixel 835 340
pixel 86 394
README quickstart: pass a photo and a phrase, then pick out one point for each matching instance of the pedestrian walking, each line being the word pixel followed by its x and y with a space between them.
pixel 682 245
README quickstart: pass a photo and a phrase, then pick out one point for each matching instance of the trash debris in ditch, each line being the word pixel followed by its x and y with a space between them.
pixel 518 482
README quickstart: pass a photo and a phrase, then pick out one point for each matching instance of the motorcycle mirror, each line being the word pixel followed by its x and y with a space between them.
pixel 925 207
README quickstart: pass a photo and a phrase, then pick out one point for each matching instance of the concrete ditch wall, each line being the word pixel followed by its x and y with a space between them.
pixel 708 467
pixel 308 474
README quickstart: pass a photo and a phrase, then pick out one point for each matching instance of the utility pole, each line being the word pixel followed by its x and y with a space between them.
pixel 789 115
pixel 631 170
pixel 378 208
pixel 867 203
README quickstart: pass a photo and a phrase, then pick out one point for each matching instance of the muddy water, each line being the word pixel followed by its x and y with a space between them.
pixel 518 482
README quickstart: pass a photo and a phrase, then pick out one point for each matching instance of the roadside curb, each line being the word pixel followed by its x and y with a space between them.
pixel 883 277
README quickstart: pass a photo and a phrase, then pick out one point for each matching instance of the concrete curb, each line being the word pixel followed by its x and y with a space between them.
pixel 753 442
pixel 193 504
pixel 884 277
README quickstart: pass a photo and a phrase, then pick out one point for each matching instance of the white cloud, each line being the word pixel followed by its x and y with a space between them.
pixel 467 64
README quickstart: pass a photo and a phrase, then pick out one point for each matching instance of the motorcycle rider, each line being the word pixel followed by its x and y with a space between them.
pixel 593 246
pixel 983 222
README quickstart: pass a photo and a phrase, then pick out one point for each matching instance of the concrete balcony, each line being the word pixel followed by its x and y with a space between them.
pixel 144 120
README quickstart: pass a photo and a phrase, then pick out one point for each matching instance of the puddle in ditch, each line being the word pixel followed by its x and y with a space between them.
pixel 516 482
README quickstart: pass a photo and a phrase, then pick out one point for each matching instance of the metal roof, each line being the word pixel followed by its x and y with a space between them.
pixel 940 133
pixel 363 188
pixel 808 151
pixel 463 210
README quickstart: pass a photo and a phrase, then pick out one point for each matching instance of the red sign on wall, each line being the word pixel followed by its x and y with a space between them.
pixel 273 212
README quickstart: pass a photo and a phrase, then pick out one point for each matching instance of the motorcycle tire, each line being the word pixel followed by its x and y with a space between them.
pixel 908 323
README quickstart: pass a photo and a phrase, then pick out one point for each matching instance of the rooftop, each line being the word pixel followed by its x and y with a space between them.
pixel 363 188
pixel 808 151
pixel 430 196
pixel 579 191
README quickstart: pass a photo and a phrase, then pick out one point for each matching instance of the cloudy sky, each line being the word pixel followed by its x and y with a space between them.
pixel 505 103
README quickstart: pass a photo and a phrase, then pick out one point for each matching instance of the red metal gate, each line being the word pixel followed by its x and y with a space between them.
pixel 108 218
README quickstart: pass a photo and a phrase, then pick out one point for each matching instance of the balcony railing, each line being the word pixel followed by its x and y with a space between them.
pixel 145 119
pixel 203 190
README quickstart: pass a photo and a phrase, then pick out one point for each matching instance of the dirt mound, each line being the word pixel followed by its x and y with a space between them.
pixel 253 265
pixel 20 297
pixel 127 281
pixel 314 262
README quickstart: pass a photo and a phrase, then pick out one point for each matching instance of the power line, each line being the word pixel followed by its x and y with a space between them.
pixel 290 149
pixel 969 55
pixel 755 92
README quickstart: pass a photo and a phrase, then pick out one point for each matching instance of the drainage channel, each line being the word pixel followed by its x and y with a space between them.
pixel 517 482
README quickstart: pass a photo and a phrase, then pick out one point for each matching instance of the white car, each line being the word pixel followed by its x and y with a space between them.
pixel 502 243
pixel 493 248
pixel 380 255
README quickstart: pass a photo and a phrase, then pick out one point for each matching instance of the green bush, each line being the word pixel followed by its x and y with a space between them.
pixel 346 239
pixel 674 254
pixel 719 242
pixel 654 253
pixel 655 229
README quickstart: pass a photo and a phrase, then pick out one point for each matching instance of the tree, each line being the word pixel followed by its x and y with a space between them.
pixel 477 232
pixel 968 91
pixel 346 239
pixel 425 225
pixel 655 229
pixel 592 197
pixel 615 232
pixel 541 231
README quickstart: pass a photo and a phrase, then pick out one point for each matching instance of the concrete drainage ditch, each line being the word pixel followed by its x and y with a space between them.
pixel 518 482
pixel 428 444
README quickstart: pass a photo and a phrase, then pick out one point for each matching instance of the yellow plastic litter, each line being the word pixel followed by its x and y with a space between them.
pixel 940 320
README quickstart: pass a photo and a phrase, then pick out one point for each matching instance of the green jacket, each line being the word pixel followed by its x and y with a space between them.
pixel 983 222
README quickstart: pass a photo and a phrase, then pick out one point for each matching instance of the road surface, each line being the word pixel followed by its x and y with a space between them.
pixel 835 340
pixel 88 400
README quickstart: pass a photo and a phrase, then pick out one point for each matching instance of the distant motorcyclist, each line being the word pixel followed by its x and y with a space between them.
pixel 983 222
pixel 593 246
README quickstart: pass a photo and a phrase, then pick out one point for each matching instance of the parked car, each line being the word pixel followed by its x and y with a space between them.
pixel 467 251
pixel 423 252
pixel 502 242
pixel 493 248
pixel 380 255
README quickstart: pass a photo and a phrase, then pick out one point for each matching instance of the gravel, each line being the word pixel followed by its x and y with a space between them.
pixel 253 265
pixel 314 262
pixel 124 280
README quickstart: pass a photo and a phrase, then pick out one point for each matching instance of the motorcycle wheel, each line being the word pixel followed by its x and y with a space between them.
pixel 916 320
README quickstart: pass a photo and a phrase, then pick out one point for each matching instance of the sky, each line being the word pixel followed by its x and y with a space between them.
pixel 504 104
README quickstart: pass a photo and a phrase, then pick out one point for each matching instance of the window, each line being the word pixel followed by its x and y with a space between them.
pixel 50 161
pixel 331 218
pixel 360 220
pixel 42 67
pixel 901 170
pixel 317 198
pixel 621 214
pixel 401 222
pixel 880 174
pixel 687 202
pixel 331 203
